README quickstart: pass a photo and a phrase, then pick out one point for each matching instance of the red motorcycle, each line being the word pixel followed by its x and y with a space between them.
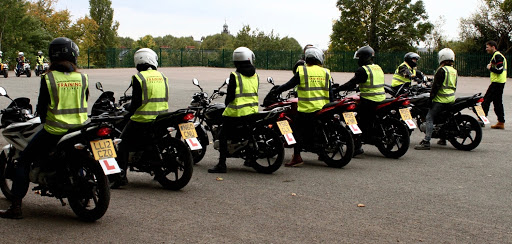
pixel 332 141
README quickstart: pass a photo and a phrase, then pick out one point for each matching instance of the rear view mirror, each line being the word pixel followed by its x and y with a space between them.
pixel 3 92
pixel 227 81
pixel 99 86
pixel 270 80
pixel 195 82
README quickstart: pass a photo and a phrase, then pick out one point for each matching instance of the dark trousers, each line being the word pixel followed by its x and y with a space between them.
pixel 365 120
pixel 230 130
pixel 135 137
pixel 434 110
pixel 303 130
pixel 494 95
pixel 37 149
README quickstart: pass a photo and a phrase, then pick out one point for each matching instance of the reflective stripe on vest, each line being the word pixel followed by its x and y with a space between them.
pixel 68 105
pixel 155 96
pixel 446 93
pixel 246 96
pixel 499 78
pixel 399 79
pixel 373 88
pixel 313 89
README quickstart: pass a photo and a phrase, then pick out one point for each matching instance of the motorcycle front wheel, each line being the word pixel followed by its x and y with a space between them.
pixel 27 71
pixel 270 153
pixel 337 148
pixel 91 192
pixel 6 175
pixel 176 169
pixel 468 133
pixel 394 141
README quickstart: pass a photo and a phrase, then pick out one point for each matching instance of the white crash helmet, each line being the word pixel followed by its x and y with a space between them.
pixel 145 56
pixel 1 53
pixel 39 53
pixel 21 54
pixel 446 54
pixel 243 54
pixel 316 53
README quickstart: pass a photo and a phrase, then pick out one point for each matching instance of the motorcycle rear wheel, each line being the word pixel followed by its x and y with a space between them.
pixel 6 175
pixel 468 128
pixel 338 149
pixel 270 151
pixel 91 194
pixel 202 137
pixel 177 166
pixel 395 141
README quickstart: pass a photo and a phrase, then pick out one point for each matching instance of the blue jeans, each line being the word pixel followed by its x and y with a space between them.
pixel 434 110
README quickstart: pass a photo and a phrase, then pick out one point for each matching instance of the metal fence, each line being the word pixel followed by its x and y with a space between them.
pixel 467 64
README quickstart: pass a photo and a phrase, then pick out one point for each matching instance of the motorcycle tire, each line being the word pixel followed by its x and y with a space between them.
pixel 91 191
pixel 6 74
pixel 338 146
pixel 36 72
pixel 6 175
pixel 28 73
pixel 395 141
pixel 17 74
pixel 270 151
pixel 466 128
pixel 177 166
pixel 202 137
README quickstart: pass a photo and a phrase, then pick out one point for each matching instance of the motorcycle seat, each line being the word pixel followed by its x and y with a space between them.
pixel 331 104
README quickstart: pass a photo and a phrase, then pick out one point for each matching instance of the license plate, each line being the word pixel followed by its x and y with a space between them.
pixel 406 114
pixel 479 110
pixel 284 127
pixel 350 118
pixel 188 130
pixel 103 149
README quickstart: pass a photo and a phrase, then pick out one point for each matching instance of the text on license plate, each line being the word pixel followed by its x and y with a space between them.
pixel 103 149
pixel 188 130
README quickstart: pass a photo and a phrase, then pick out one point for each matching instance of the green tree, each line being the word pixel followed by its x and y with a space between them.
pixel 492 21
pixel 125 42
pixel 385 25
pixel 146 41
pixel 258 40
pixel 101 11
pixel 218 41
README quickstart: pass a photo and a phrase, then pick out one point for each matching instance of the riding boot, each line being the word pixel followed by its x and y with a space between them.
pixel 296 161
pixel 219 168
pixel 499 125
pixel 14 211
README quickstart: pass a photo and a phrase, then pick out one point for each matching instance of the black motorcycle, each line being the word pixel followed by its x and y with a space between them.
pixel 164 156
pixel 261 146
pixel 72 171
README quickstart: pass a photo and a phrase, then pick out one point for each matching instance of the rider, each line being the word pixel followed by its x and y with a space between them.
pixel 20 60
pixel 1 66
pixel 407 71
pixel 150 96
pixel 314 91
pixel 241 101
pixel 40 59
pixel 62 105
pixel 442 94
pixel 370 78
pixel 302 60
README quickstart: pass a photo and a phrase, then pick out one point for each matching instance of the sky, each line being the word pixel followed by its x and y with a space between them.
pixel 309 22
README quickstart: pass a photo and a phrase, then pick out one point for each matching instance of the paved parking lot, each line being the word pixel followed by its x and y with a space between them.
pixel 437 196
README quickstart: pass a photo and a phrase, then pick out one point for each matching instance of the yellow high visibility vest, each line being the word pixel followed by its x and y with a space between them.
pixel 499 78
pixel 68 103
pixel 155 96
pixel 246 96
pixel 313 89
pixel 447 92
pixel 373 88
pixel 398 79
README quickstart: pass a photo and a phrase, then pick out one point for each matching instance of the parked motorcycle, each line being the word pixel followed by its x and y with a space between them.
pixel 75 170
pixel 24 69
pixel 5 69
pixel 262 146
pixel 332 141
pixel 164 156
pixel 41 68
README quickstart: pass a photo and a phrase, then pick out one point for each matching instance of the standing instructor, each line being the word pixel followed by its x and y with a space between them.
pixel 494 94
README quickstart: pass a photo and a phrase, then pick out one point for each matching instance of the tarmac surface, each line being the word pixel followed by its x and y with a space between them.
pixel 439 196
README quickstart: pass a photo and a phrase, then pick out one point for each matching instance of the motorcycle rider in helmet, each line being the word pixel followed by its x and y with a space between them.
pixel 302 60
pixel 245 82
pixel 143 110
pixel 40 59
pixel 441 95
pixel 370 79
pixel 20 60
pixel 310 100
pixel 61 107
pixel 1 55
pixel 406 72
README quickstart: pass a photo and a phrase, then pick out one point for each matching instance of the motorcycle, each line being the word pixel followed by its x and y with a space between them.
pixel 4 69
pixel 41 68
pixel 262 146
pixel 23 70
pixel 461 130
pixel 164 156
pixel 75 169
pixel 332 141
